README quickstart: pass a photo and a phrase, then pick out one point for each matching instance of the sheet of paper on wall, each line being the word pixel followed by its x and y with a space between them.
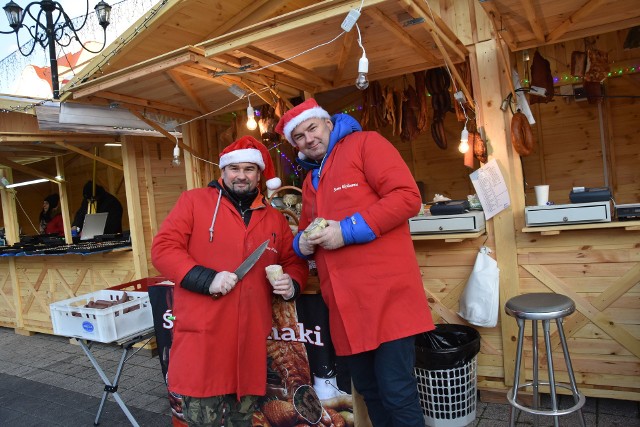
pixel 491 188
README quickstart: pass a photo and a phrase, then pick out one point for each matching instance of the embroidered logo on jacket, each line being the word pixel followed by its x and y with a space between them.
pixel 343 186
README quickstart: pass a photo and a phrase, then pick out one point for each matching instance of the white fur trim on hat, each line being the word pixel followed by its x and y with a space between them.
pixel 243 155
pixel 274 183
pixel 311 113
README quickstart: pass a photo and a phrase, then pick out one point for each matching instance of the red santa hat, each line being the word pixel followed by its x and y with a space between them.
pixel 249 150
pixel 309 109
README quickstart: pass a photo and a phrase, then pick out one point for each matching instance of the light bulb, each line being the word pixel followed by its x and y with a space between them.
pixel 363 68
pixel 463 147
pixel 251 118
pixel 176 156
pixel 464 140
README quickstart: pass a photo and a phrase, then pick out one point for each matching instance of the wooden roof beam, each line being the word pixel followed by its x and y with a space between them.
pixel 214 65
pixel 530 13
pixel 141 102
pixel 435 34
pixel 95 100
pixel 172 138
pixel 137 71
pixel 37 137
pixel 344 55
pixel 500 31
pixel 26 169
pixel 270 58
pixel 291 21
pixel 401 34
pixel 586 10
pixel 178 80
pixel 235 22
pixel 89 155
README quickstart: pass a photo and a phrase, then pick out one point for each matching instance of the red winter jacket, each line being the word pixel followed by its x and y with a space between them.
pixel 219 345
pixel 374 290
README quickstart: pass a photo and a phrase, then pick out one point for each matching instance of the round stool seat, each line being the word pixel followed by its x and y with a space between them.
pixel 540 306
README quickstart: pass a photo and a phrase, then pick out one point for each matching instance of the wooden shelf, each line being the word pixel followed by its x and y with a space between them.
pixel 449 238
pixel 552 230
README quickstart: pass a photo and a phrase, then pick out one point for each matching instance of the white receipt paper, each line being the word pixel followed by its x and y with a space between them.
pixel 491 189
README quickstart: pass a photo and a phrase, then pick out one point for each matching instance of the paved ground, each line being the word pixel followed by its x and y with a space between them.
pixel 46 381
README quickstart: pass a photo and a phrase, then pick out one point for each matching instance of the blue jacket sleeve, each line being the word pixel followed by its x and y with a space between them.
pixel 296 246
pixel 355 230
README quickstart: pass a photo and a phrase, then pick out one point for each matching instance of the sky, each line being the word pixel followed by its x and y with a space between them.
pixel 73 8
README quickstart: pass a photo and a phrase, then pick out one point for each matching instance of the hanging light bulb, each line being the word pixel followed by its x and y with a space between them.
pixel 251 118
pixel 363 68
pixel 464 140
pixel 176 155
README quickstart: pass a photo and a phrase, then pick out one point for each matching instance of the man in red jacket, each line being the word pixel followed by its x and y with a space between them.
pixel 218 356
pixel 369 275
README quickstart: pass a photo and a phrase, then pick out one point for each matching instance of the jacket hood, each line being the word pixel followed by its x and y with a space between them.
pixel 343 125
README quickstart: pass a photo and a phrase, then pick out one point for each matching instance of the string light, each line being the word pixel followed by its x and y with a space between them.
pixel 363 65
pixel 251 117
pixel 464 139
pixel 176 155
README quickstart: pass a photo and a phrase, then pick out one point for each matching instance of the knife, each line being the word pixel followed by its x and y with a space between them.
pixel 247 264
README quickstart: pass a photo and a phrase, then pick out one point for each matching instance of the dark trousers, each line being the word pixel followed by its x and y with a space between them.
pixel 385 378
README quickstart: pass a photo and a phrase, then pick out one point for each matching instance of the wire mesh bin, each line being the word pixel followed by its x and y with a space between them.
pixel 446 372
pixel 448 396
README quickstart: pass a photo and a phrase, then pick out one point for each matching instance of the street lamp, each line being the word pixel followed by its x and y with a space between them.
pixel 53 30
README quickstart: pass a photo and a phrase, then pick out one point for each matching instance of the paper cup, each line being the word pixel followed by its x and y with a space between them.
pixel 542 194
pixel 274 272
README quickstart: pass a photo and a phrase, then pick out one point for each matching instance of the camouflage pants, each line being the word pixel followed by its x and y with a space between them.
pixel 219 411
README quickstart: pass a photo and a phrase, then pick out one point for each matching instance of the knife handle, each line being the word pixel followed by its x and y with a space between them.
pixel 216 295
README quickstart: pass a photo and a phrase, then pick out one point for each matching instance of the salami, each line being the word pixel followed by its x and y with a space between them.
pixel 521 134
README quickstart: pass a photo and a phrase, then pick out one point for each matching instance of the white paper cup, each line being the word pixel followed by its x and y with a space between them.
pixel 542 194
pixel 274 272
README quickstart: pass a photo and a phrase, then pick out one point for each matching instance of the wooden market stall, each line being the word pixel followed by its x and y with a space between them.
pixel 577 143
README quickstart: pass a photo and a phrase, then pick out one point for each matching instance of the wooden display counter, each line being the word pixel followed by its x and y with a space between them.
pixel 28 284
pixel 597 265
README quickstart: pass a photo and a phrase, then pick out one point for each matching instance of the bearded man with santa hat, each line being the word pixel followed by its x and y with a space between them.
pixel 218 355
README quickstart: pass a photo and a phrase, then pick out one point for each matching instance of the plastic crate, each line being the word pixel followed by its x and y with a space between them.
pixel 71 318
pixel 141 285
pixel 448 396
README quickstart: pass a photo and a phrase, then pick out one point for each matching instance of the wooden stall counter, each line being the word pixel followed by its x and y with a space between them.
pixel 28 284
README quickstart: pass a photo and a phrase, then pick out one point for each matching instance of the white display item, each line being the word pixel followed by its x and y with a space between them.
pixel 448 397
pixel 71 318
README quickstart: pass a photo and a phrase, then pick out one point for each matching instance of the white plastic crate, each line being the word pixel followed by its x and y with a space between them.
pixel 71 318
pixel 448 396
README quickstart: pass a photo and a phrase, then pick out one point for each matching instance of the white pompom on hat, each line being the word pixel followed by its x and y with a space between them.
pixel 309 109
pixel 249 150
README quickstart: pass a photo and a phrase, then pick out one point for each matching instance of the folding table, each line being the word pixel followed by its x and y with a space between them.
pixel 126 343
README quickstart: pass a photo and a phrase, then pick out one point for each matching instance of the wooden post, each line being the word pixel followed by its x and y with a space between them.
pixel 64 201
pixel 495 122
pixel 131 180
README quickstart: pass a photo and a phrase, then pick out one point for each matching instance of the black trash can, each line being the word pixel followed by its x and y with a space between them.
pixel 446 370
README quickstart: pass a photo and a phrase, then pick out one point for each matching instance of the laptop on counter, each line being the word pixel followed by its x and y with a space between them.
pixel 93 225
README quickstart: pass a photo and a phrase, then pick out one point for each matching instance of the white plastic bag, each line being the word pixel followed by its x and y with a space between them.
pixel 481 297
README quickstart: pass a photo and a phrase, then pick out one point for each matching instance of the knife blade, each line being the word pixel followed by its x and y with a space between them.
pixel 251 260
pixel 247 264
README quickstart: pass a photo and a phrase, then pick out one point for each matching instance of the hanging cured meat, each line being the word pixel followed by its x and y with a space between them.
pixel 372 107
pixel 423 120
pixel 437 83
pixel 521 134
pixel 410 109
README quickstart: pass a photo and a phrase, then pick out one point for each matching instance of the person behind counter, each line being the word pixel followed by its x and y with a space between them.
pixel 50 216
pixel 106 202
pixel 369 275
pixel 219 352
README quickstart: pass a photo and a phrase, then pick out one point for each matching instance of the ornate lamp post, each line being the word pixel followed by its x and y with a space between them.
pixel 55 29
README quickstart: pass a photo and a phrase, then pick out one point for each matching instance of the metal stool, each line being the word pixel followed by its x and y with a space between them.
pixel 544 307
